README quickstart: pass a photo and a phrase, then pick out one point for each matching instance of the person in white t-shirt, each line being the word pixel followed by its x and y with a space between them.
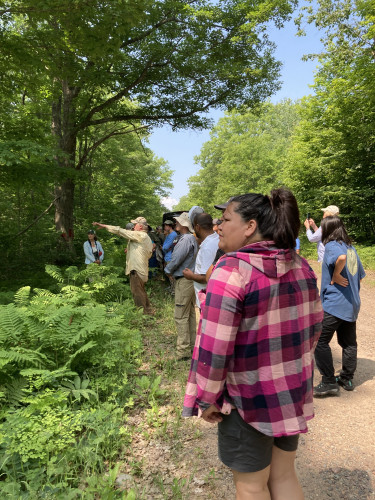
pixel 203 228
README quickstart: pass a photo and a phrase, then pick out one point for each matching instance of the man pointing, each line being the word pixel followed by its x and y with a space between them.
pixel 137 257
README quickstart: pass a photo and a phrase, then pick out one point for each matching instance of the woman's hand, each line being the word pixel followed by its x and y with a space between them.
pixel 337 277
pixel 211 415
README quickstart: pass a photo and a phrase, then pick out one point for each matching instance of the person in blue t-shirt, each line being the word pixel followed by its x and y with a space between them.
pixel 298 245
pixel 167 248
pixel 342 272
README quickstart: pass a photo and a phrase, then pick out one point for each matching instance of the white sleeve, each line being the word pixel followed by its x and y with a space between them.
pixel 314 237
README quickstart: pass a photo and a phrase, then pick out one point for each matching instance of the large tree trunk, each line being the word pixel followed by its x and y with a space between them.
pixel 63 128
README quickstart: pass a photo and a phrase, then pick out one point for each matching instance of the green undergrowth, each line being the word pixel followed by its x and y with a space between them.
pixel 88 385
pixel 155 422
pixel 69 361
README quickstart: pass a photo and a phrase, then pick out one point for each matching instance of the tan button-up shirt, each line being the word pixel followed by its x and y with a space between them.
pixel 139 250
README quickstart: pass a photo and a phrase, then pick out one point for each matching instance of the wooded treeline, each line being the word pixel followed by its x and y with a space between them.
pixel 322 147
pixel 82 85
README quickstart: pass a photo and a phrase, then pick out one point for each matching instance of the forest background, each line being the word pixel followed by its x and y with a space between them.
pixel 76 114
pixel 83 83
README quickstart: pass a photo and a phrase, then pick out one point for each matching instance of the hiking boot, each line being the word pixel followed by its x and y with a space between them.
pixel 345 383
pixel 325 389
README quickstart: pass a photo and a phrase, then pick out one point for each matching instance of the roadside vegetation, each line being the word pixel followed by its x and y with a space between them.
pixel 84 375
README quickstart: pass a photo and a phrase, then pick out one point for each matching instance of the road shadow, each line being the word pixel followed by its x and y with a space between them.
pixel 365 371
pixel 344 484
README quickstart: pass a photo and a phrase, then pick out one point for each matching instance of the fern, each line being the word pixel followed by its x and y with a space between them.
pixel 22 297
pixel 22 357
pixel 55 272
pixel 15 391
pixel 41 292
pixel 11 323
pixel 47 374
pixel 84 348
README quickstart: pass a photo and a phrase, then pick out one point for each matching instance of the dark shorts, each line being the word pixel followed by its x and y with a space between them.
pixel 244 449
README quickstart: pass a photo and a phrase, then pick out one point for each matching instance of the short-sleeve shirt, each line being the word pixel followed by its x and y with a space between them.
pixel 168 245
pixel 205 257
pixel 342 302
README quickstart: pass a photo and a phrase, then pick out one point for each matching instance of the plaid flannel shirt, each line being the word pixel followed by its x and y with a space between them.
pixel 260 322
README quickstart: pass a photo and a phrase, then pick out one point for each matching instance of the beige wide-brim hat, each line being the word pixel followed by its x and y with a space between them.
pixel 184 220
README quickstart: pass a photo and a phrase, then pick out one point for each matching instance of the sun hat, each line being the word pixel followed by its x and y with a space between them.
pixel 184 220
pixel 332 209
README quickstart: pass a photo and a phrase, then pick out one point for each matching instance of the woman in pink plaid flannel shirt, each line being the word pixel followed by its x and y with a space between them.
pixel 252 364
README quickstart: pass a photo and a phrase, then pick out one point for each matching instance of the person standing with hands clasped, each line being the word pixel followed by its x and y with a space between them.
pixel 342 272
pixel 94 253
pixel 252 367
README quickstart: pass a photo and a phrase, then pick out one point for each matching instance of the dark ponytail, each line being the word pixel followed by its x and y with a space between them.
pixel 277 215
pixel 287 226
pixel 333 229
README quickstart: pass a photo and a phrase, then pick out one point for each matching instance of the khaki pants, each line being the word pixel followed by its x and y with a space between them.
pixel 137 288
pixel 184 316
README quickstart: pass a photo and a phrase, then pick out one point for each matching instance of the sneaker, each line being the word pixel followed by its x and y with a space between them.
pixel 345 383
pixel 325 389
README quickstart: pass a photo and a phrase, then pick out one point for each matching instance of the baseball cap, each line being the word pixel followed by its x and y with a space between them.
pixel 139 220
pixel 169 222
pixel 223 206
pixel 184 220
pixel 91 231
pixel 331 209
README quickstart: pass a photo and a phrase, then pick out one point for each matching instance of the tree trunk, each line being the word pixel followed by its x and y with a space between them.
pixel 63 128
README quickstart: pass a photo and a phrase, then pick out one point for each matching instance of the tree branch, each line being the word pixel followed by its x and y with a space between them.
pixel 96 144
pixel 37 218
pixel 112 119
pixel 148 32
pixel 86 122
